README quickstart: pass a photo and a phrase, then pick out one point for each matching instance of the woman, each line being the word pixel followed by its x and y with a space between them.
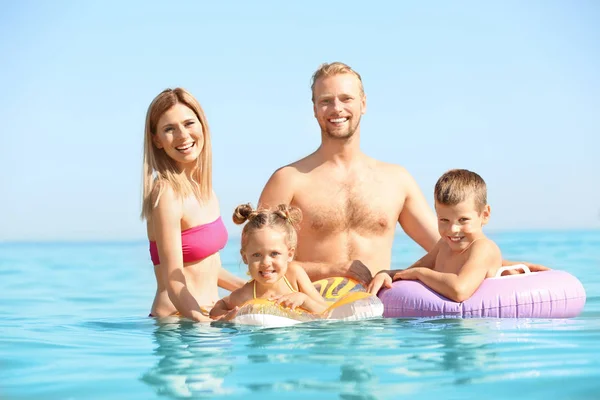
pixel 184 225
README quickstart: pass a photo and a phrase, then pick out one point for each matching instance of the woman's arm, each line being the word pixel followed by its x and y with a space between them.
pixel 228 281
pixel 166 220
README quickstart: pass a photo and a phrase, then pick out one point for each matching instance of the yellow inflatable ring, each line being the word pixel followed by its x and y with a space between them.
pixel 348 302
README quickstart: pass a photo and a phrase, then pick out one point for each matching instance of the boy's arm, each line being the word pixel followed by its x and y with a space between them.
pixel 458 287
pixel 427 261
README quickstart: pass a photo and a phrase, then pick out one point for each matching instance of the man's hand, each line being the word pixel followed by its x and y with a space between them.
pixel 517 271
pixel 381 280
pixel 359 272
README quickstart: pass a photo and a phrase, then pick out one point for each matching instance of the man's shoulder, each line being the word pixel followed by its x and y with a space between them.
pixel 395 171
pixel 295 169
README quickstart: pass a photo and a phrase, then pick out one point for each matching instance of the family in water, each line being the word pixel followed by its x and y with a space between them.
pixel 332 213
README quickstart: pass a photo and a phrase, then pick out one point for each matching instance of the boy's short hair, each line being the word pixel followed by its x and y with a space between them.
pixel 457 185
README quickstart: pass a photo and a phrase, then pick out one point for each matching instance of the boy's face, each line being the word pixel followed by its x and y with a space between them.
pixel 461 224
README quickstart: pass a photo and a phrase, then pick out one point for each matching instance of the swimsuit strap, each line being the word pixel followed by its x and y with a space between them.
pixel 289 285
pixel 284 278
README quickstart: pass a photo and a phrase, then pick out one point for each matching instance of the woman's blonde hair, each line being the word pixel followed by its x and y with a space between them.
pixel 160 169
pixel 283 217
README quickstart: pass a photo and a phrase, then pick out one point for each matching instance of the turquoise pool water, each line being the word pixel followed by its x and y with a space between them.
pixel 73 325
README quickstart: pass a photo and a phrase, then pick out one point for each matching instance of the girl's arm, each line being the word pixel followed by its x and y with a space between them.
pixel 166 220
pixel 231 302
pixel 314 302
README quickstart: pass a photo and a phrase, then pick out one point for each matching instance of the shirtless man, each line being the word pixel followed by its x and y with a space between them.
pixel 350 201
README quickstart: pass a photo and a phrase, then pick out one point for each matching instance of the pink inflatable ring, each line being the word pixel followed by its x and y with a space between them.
pixel 547 294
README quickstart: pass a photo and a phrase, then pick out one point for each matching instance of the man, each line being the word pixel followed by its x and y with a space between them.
pixel 350 201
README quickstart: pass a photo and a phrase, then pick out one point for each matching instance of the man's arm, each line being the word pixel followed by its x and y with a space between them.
pixel 279 188
pixel 458 287
pixel 416 217
pixel 532 267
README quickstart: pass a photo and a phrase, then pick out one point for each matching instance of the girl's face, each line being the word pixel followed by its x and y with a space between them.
pixel 267 255
pixel 179 132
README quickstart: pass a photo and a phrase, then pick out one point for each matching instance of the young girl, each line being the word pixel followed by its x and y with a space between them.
pixel 184 226
pixel 268 245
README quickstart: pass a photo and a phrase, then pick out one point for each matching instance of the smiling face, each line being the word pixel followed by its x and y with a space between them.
pixel 267 255
pixel 338 105
pixel 459 225
pixel 179 133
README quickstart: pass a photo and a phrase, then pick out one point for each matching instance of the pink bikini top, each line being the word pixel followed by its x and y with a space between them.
pixel 198 242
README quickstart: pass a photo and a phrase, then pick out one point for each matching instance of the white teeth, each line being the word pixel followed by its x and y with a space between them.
pixel 185 147
pixel 456 239
pixel 338 120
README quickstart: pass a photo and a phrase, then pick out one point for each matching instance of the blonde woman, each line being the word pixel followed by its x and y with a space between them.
pixel 184 225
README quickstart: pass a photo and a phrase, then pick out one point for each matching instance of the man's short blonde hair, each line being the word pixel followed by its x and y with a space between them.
pixel 332 69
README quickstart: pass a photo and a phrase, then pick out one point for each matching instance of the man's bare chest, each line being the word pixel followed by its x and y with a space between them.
pixel 361 206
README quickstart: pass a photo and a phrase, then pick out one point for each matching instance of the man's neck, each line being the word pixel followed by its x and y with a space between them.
pixel 341 151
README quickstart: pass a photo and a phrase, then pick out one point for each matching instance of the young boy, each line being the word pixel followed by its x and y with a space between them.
pixel 463 257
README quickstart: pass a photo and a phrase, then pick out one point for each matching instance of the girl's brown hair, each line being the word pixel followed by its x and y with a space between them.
pixel 282 217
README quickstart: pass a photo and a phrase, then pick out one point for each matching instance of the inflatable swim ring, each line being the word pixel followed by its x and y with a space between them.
pixel 547 294
pixel 348 302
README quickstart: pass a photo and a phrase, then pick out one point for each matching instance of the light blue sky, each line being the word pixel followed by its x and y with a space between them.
pixel 509 89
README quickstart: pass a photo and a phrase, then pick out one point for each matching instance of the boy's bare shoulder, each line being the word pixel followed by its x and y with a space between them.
pixel 485 244
pixel 485 248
